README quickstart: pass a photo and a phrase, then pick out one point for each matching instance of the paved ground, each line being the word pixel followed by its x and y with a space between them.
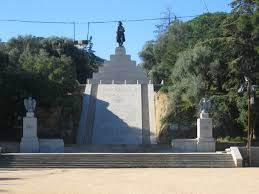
pixel 132 181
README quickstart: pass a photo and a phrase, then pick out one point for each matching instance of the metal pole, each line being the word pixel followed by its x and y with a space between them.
pixel 88 26
pixel 74 25
pixel 249 124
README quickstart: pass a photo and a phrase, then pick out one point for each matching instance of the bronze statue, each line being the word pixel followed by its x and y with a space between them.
pixel 120 34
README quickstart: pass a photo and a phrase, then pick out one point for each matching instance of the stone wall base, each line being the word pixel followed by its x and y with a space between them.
pixel 194 145
pixel 51 146
pixel 29 145
pixel 35 145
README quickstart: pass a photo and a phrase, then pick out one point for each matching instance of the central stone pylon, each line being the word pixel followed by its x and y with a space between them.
pixel 118 105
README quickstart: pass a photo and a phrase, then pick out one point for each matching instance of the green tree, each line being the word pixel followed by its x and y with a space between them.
pixel 208 56
pixel 45 68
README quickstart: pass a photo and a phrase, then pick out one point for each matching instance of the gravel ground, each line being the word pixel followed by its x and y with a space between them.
pixel 130 181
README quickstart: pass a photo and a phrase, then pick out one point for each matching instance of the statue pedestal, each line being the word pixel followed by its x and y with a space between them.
pixel 120 50
pixel 204 126
pixel 29 142
pixel 205 140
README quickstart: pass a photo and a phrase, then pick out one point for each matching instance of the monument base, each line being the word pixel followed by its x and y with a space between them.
pixel 204 127
pixel 184 145
pixel 29 145
pixel 206 145
pixel 194 145
pixel 29 142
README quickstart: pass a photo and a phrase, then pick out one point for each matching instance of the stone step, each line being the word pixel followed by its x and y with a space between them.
pixel 123 75
pixel 119 148
pixel 126 166
pixel 122 81
pixel 117 68
pixel 119 58
pixel 113 160
pixel 87 158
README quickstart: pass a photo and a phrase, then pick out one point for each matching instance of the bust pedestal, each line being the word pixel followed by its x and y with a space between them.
pixel 205 140
pixel 29 142
pixel 120 50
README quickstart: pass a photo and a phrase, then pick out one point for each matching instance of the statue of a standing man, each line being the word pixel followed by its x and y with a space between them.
pixel 120 34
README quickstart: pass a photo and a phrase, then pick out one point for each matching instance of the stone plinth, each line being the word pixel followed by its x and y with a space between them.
pixel 29 142
pixel 204 126
pixel 205 140
pixel 206 145
pixel 120 51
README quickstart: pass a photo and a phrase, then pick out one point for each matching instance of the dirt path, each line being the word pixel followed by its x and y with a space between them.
pixel 130 181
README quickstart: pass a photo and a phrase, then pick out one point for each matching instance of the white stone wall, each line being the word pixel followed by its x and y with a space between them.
pixel 81 131
pixel 118 116
pixel 151 107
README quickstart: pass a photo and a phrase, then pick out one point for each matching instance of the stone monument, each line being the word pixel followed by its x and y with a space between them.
pixel 204 141
pixel 118 103
pixel 29 142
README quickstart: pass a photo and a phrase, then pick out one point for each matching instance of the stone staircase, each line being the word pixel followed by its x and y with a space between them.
pixel 119 148
pixel 117 160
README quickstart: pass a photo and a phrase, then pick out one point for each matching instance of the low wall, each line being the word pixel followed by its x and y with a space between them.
pixel 221 146
pixel 10 147
pixel 51 145
pixel 46 146
pixel 254 153
pixel 193 145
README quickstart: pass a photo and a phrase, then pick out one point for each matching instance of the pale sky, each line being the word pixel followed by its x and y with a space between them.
pixel 137 33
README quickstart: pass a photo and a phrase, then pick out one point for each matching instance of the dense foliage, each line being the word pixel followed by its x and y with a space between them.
pixel 44 68
pixel 208 56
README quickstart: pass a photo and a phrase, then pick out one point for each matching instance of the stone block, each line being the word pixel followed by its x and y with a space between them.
pixel 204 128
pixel 237 157
pixel 206 145
pixel 29 142
pixel 29 127
pixel 51 145
pixel 184 145
pixel 29 145
pixel 120 50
